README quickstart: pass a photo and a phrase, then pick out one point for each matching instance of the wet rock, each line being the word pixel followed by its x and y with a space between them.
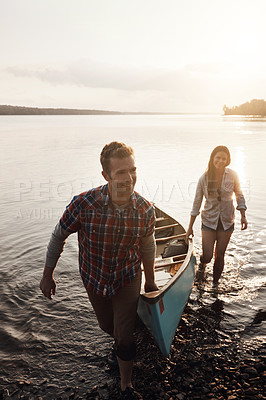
pixel 244 376
pixel 251 371
pixel 155 387
pixel 251 392
pixel 14 392
pixel 5 394
pixel 103 393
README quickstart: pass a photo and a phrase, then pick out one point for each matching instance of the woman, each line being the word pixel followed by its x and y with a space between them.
pixel 217 185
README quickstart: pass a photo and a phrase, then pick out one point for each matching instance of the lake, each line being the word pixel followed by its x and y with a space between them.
pixel 46 160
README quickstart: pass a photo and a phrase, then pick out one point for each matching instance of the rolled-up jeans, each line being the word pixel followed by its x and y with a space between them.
pixel 116 316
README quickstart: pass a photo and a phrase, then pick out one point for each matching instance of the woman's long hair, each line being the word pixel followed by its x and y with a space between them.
pixel 210 172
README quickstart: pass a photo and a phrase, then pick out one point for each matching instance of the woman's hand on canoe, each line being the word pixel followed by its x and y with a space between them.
pixel 189 233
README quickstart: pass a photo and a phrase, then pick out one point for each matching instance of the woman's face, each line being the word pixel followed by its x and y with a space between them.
pixel 220 160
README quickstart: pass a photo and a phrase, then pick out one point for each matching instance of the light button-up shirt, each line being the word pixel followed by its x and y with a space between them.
pixel 219 205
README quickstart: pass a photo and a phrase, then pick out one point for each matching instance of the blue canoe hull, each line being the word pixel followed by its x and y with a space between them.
pixel 162 312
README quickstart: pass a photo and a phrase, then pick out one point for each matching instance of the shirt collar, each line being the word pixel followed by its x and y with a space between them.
pixel 106 198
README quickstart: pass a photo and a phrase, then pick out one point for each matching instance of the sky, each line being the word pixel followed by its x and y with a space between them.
pixel 183 56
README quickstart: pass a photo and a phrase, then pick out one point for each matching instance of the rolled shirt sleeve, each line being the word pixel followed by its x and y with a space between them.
pixel 56 245
pixel 198 197
pixel 69 223
pixel 148 247
pixel 240 199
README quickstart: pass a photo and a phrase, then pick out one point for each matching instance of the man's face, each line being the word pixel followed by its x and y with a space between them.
pixel 121 178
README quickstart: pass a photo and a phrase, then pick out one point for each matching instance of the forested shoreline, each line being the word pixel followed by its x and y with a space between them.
pixel 19 110
pixel 254 107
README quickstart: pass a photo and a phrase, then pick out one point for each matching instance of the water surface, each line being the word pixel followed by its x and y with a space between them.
pixel 46 160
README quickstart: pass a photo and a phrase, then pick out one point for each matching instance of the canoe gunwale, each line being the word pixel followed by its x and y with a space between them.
pixel 161 310
pixel 154 297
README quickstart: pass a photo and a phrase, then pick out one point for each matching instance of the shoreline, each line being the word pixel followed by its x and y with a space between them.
pixel 6 110
pixel 203 364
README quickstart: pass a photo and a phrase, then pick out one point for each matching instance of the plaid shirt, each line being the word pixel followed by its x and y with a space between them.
pixel 109 239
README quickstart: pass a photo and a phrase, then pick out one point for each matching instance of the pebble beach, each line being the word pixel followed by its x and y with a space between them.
pixel 203 364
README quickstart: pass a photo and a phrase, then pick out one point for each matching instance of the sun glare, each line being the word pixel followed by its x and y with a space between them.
pixel 239 164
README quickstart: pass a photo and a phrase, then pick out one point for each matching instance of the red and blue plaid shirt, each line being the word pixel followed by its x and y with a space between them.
pixel 109 239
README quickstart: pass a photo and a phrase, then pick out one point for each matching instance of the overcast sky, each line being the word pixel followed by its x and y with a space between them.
pixel 133 55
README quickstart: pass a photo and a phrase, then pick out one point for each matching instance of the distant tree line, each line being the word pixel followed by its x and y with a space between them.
pixel 18 110
pixel 254 107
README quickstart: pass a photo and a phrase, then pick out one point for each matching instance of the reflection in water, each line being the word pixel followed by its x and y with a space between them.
pixel 259 317
pixel 257 323
pixel 201 275
pixel 209 311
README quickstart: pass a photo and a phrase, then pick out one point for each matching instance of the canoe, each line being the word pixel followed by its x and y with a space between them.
pixel 161 310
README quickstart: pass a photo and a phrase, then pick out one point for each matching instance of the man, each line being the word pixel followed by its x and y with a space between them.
pixel 115 228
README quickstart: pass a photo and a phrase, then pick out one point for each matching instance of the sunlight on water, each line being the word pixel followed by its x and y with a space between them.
pixel 247 132
pixel 239 164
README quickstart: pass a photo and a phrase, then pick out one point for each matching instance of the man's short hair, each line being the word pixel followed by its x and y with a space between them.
pixel 114 149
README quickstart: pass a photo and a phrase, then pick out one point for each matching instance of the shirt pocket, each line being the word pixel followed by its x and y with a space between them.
pixel 94 235
pixel 229 186
pixel 133 235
